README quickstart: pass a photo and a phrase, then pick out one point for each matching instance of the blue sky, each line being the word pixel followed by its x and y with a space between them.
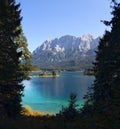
pixel 48 19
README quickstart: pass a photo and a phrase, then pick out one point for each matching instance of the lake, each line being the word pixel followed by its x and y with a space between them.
pixel 47 95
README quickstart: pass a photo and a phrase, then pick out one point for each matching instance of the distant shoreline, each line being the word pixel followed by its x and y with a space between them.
pixel 44 74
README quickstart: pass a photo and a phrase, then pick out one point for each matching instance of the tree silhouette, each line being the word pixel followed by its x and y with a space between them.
pixel 11 68
pixel 71 112
pixel 106 96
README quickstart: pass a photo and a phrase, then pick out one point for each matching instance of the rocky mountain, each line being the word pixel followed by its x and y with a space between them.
pixel 66 52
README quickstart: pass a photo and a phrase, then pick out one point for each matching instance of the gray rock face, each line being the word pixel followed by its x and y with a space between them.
pixel 66 52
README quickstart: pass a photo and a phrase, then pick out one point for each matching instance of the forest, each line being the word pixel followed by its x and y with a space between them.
pixel 101 109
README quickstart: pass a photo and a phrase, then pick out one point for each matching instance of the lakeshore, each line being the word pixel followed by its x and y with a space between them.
pixel 48 94
pixel 44 74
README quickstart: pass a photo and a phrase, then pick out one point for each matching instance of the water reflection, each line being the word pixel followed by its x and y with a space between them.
pixel 55 91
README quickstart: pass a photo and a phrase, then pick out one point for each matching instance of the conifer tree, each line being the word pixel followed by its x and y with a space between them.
pixel 70 112
pixel 106 96
pixel 11 70
pixel 25 65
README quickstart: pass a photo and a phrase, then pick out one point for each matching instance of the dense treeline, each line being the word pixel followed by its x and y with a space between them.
pixel 106 96
pixel 102 107
pixel 70 117
pixel 14 59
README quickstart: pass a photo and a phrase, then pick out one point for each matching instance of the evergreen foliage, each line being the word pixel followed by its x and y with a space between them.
pixel 71 112
pixel 25 65
pixel 11 68
pixel 102 108
pixel 106 96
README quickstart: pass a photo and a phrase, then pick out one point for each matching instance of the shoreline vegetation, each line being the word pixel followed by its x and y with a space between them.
pixel 44 74
pixel 89 72
pixel 28 111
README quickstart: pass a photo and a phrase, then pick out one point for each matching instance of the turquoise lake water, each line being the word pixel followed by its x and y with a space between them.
pixel 47 95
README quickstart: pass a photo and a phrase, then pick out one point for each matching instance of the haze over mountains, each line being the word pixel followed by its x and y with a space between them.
pixel 67 52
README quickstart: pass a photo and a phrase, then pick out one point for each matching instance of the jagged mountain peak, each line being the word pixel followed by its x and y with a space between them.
pixel 87 37
pixel 67 42
pixel 64 49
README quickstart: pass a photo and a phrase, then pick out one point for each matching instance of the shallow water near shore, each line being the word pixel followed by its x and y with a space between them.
pixel 47 95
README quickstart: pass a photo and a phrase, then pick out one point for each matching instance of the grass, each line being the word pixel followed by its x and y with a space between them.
pixel 28 111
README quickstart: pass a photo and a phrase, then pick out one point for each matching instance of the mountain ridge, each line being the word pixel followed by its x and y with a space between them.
pixel 73 52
